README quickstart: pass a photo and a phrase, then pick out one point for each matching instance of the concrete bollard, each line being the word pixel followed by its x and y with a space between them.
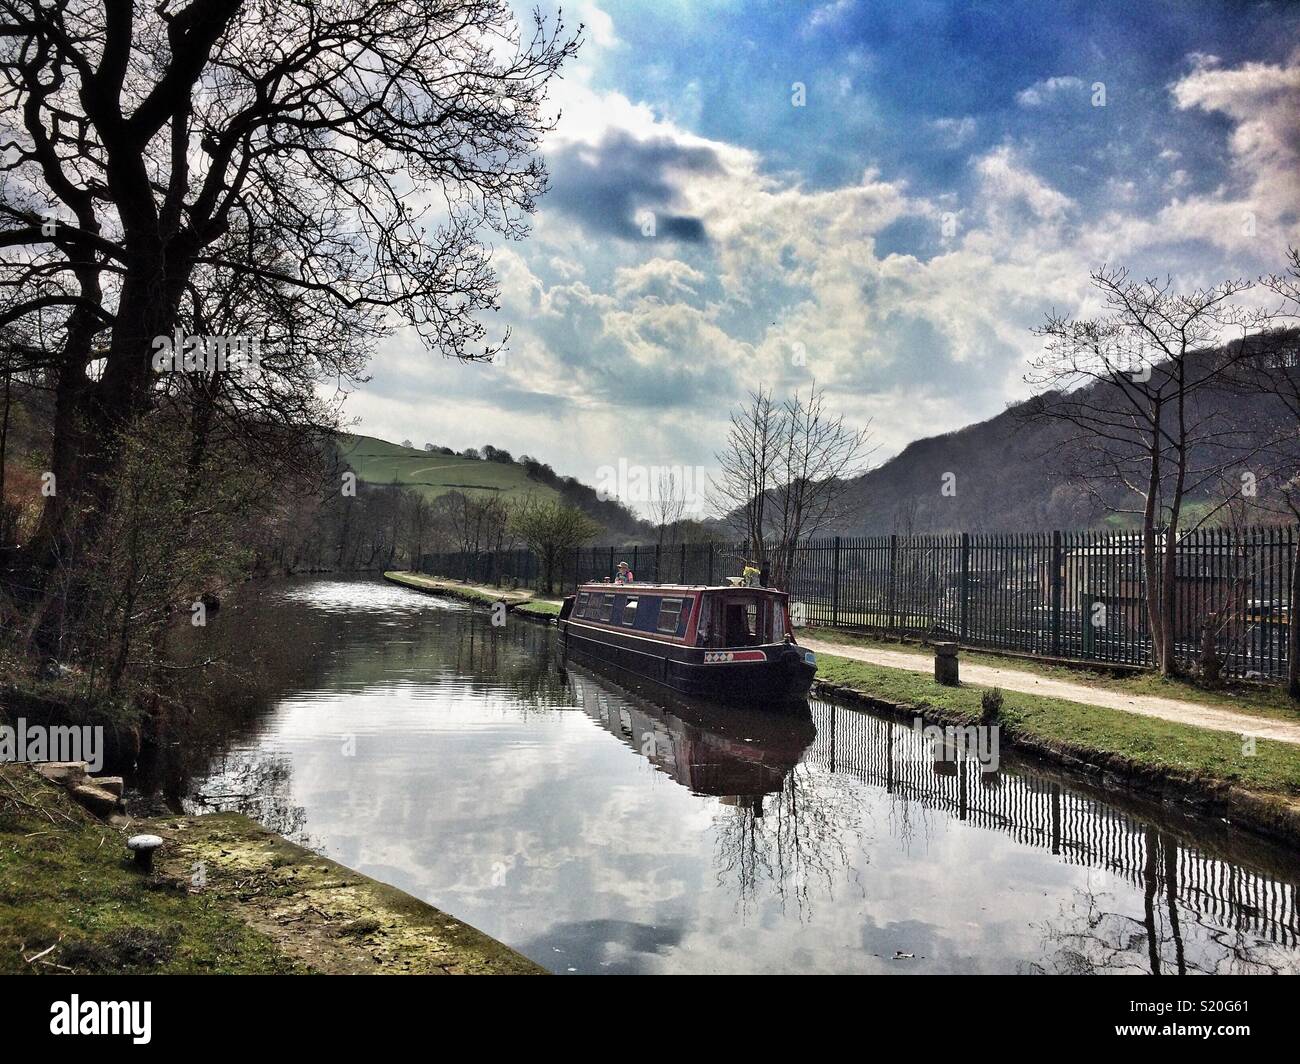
pixel 143 847
pixel 945 664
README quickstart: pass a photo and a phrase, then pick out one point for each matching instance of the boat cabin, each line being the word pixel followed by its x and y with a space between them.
pixel 698 616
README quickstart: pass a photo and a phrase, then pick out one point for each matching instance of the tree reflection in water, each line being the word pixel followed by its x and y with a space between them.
pixel 791 843
pixel 257 785
pixel 1092 938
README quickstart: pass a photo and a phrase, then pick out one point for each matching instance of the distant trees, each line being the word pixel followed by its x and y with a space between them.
pixel 1158 352
pixel 784 474
pixel 418 527
pixel 476 523
pixel 548 529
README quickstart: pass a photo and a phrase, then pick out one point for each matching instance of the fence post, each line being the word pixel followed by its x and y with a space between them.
pixel 712 549
pixel 636 562
pixel 835 587
pixel 893 580
pixel 658 552
pixel 1056 594
pixel 682 574
pixel 965 587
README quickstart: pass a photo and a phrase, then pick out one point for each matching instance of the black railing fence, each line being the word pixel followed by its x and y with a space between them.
pixel 1072 595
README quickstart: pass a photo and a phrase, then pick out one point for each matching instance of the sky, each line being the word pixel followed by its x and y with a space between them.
pixel 881 197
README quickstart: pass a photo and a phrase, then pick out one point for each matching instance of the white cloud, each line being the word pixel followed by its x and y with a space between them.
pixel 1263 100
pixel 1042 92
pixel 827 15
pixel 641 348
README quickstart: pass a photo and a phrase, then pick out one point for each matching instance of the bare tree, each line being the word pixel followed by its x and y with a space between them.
pixel 784 474
pixel 1131 385
pixel 746 463
pixel 419 523
pixel 818 455
pixel 477 522
pixel 342 156
pixel 667 504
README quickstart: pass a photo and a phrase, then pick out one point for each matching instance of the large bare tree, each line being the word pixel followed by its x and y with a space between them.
pixel 784 473
pixel 331 163
pixel 1134 387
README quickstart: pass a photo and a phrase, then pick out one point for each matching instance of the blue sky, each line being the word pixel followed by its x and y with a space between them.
pixel 953 173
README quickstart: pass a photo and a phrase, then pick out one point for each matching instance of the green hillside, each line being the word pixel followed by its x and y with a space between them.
pixel 380 462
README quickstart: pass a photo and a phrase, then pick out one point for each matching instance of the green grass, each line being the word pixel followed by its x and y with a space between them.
pixel 1254 699
pixel 522 600
pixel 66 881
pixel 380 462
pixel 540 607
pixel 1174 748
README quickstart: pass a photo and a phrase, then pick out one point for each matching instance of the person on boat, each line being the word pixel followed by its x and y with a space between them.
pixel 624 574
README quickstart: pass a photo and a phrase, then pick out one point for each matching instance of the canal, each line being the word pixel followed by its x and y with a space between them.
pixel 598 829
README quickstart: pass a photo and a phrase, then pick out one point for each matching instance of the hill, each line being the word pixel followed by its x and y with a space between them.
pixel 433 473
pixel 1011 471
pixel 440 471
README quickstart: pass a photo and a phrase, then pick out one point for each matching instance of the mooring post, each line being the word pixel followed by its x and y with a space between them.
pixel 945 664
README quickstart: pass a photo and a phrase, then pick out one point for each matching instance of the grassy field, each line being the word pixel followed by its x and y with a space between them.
pixel 1175 748
pixel 380 462
pixel 1255 699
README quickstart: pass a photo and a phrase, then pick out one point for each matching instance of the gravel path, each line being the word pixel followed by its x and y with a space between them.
pixel 1202 716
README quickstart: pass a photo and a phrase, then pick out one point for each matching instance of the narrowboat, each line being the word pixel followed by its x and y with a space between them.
pixel 728 644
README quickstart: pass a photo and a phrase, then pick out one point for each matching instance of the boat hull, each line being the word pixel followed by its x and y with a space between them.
pixel 775 674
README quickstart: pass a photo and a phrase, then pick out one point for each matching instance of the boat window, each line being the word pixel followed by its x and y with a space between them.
pixel 669 612
pixel 607 608
pixel 581 604
pixel 629 611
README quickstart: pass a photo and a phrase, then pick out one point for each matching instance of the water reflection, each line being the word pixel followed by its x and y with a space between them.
pixel 738 755
pixel 600 827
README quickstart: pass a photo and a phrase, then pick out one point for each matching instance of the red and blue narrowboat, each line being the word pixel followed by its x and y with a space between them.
pixel 728 644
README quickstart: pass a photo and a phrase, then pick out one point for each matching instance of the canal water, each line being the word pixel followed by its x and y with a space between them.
pixel 599 829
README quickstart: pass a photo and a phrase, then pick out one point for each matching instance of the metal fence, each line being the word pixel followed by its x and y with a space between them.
pixel 1070 595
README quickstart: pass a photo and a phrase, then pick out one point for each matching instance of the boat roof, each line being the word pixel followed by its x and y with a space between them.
pixel 640 585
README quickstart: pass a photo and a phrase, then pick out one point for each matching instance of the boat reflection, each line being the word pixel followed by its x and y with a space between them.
pixel 735 754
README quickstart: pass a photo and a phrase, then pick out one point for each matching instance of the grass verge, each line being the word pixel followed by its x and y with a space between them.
pixel 520 601
pixel 66 882
pixel 1255 699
